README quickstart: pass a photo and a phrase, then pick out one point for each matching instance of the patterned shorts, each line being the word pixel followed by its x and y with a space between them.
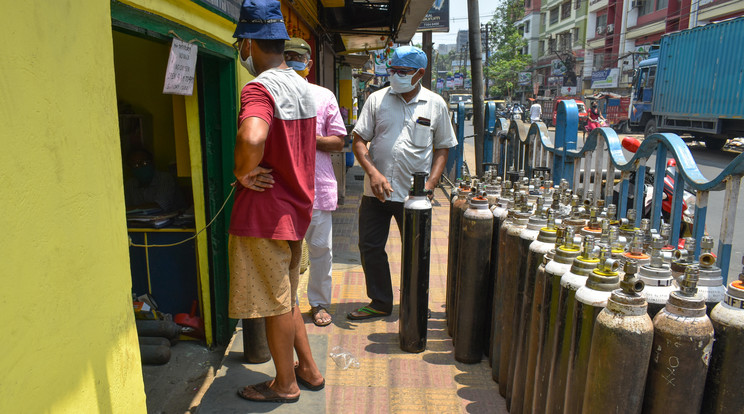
pixel 264 275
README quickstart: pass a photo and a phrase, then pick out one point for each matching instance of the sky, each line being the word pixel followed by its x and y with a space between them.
pixel 459 20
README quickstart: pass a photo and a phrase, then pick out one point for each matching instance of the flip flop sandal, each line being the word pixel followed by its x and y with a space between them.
pixel 307 385
pixel 267 393
pixel 367 313
pixel 315 310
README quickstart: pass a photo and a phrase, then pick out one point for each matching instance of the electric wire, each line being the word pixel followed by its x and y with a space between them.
pixel 132 244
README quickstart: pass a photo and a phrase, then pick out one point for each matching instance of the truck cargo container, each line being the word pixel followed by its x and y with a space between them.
pixel 693 84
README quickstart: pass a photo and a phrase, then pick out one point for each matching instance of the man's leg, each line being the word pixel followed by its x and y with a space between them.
pixel 374 225
pixel 280 333
pixel 319 242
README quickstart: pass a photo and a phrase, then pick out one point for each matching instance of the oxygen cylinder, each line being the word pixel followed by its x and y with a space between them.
pixel 635 249
pixel 682 258
pixel 590 300
pixel 544 243
pixel 683 340
pixel 565 254
pixel 574 219
pixel 523 299
pixel 658 278
pixel 570 282
pixel 414 275
pixel 627 225
pixel 511 255
pixel 538 328
pixel 472 279
pixel 710 285
pixel 457 208
pixel 723 384
pixel 594 227
pixel 255 344
pixel 501 215
pixel 620 346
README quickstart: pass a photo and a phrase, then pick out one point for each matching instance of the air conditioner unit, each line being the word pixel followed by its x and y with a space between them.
pixel 600 30
pixel 610 28
pixel 636 4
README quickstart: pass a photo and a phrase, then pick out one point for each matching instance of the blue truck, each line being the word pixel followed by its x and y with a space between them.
pixel 693 84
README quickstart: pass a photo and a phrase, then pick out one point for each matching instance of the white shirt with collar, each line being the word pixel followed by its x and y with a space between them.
pixel 400 141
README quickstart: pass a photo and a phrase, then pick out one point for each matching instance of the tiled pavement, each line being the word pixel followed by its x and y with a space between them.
pixel 388 380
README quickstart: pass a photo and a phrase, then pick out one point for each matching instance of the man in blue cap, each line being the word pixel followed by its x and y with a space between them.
pixel 274 167
pixel 407 129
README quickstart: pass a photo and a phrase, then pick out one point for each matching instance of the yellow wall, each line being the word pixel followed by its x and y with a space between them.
pixel 69 341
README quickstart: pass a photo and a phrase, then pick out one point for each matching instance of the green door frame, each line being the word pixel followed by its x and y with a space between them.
pixel 217 92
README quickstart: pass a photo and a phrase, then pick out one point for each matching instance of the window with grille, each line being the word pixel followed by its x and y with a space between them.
pixel 601 24
pixel 541 49
pixel 577 4
pixel 575 36
pixel 566 10
pixel 527 26
pixel 554 15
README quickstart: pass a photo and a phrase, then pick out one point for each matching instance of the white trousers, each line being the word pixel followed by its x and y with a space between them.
pixel 319 238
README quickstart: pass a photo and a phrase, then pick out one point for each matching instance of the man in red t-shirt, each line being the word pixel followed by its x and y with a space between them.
pixel 275 169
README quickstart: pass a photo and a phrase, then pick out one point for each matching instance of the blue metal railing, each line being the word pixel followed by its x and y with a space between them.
pixel 602 156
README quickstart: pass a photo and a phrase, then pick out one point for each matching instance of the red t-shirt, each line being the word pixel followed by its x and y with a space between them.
pixel 279 97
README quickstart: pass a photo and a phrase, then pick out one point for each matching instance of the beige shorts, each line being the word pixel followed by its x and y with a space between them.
pixel 264 275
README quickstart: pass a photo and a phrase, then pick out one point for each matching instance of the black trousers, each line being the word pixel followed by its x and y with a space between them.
pixel 374 226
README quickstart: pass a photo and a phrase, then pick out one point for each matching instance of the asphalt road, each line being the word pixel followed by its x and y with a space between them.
pixel 710 163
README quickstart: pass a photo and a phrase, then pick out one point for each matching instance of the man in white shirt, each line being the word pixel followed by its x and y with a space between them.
pixel 407 128
pixel 535 111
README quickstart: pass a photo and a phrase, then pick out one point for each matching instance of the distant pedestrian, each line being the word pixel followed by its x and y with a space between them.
pixel 407 129
pixel 535 111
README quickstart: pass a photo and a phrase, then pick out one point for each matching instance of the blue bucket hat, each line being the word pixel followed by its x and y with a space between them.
pixel 261 19
pixel 410 57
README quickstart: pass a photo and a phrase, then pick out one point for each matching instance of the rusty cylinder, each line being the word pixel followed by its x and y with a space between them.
pixel 570 282
pixel 565 254
pixel 544 242
pixel 472 279
pixel 500 214
pixel 511 255
pixel 723 384
pixel 710 285
pixel 590 300
pixel 620 346
pixel 658 278
pixel 457 208
pixel 683 340
pixel 522 304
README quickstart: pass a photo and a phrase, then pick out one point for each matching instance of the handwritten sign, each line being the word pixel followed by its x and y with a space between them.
pixel 181 70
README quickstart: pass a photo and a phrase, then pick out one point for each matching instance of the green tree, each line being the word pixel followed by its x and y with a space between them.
pixel 506 45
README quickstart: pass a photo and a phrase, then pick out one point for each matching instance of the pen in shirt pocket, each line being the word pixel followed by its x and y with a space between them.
pixel 423 121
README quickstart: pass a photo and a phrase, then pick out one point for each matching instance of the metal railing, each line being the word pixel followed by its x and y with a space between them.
pixel 595 167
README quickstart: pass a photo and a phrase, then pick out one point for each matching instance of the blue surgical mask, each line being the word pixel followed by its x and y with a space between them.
pixel 298 66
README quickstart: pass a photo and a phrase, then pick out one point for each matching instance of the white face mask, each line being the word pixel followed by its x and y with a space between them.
pixel 402 84
pixel 247 63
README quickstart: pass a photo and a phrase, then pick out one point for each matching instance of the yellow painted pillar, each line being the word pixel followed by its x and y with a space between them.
pixel 345 99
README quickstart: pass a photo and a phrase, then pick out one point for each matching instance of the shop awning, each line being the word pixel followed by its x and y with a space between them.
pixel 362 25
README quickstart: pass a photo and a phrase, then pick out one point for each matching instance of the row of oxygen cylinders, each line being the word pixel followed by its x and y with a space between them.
pixel 579 311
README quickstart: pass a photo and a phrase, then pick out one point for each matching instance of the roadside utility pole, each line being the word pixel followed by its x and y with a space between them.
pixel 427 44
pixel 476 71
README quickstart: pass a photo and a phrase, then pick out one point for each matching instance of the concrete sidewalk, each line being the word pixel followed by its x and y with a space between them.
pixel 388 379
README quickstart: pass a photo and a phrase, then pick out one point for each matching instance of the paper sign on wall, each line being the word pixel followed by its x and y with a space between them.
pixel 181 70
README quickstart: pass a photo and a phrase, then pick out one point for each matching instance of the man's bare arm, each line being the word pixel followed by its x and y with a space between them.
pixel 249 149
pixel 438 162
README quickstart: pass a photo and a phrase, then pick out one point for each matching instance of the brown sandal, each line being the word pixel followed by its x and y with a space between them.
pixel 266 394
pixel 317 314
